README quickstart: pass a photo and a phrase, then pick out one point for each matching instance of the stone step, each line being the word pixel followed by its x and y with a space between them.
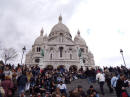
pixel 84 83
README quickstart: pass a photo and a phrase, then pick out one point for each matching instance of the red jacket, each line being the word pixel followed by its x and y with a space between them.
pixel 124 94
pixel 7 85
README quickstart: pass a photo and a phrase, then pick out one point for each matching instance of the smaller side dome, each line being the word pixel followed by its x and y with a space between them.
pixel 29 53
pixel 79 40
pixel 45 37
pixel 39 40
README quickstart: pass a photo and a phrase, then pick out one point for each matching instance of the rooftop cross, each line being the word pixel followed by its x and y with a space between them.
pixel 41 33
pixel 60 19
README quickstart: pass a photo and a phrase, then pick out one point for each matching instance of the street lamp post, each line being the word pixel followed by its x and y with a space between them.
pixel 121 51
pixel 23 49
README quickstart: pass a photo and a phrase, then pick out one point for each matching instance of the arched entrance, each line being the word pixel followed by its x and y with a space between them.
pixel 73 68
pixel 61 68
pixel 49 67
pixel 61 51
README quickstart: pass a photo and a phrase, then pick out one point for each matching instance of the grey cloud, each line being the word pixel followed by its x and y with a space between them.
pixel 20 19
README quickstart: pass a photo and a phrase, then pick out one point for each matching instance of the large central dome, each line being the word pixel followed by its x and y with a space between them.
pixel 60 28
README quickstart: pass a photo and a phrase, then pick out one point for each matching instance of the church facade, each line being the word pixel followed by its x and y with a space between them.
pixel 58 49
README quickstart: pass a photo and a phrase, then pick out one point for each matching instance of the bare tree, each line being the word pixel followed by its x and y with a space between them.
pixel 9 54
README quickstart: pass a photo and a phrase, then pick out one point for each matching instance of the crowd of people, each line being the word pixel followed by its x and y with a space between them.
pixel 48 82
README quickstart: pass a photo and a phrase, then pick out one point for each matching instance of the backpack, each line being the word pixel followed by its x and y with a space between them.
pixel 124 94
pixel 115 82
pixel 2 92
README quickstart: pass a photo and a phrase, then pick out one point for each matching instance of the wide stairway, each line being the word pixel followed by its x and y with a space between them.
pixel 84 83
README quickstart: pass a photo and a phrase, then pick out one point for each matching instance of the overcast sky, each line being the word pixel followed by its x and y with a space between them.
pixel 104 24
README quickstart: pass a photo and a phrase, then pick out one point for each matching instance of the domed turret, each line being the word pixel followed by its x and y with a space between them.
pixel 60 18
pixel 45 38
pixel 91 58
pixel 42 31
pixel 39 40
pixel 79 40
pixel 60 28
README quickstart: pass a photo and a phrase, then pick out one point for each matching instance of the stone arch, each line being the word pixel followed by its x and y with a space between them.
pixel 84 60
pixel 51 48
pixel 49 67
pixel 73 68
pixel 61 67
pixel 37 60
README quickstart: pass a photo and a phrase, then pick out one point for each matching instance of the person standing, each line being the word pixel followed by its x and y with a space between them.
pixel 91 90
pixel 120 84
pixel 8 72
pixel 62 87
pixel 101 79
pixel 21 82
pixel 8 85
pixel 108 77
pixel 80 91
pixel 114 81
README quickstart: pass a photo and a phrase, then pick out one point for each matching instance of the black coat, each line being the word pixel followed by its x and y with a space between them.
pixel 120 83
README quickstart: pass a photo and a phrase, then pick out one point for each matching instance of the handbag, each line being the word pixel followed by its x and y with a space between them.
pixel 2 91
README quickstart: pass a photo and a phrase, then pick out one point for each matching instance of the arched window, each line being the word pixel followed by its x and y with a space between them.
pixel 84 60
pixel 61 37
pixel 51 56
pixel 82 49
pixel 70 56
pixel 51 48
pixel 38 49
pixel 61 50
pixel 37 60
pixel 70 49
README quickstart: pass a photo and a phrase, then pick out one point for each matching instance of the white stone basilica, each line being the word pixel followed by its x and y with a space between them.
pixel 58 49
